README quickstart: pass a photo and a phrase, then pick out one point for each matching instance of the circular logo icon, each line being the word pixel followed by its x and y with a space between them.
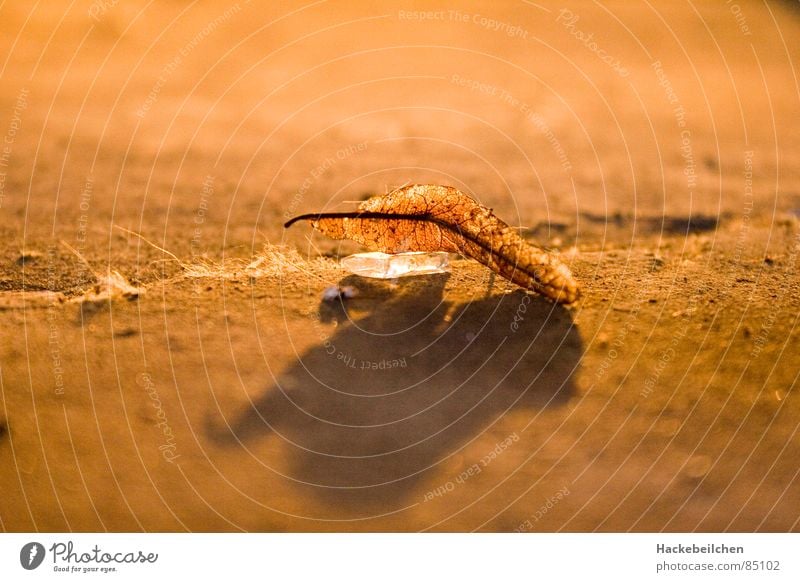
pixel 31 555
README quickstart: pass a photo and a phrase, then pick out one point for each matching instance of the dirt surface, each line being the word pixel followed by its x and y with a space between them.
pixel 207 386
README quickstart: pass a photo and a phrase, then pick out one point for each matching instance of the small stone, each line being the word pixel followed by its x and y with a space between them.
pixel 334 292
pixel 27 257
pixel 697 466
pixel 126 332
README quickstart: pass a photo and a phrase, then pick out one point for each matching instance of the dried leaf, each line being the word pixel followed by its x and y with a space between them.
pixel 440 218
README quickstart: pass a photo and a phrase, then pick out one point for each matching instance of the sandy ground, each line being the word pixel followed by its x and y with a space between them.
pixel 656 145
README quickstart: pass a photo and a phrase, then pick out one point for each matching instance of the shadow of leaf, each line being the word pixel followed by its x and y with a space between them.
pixel 406 380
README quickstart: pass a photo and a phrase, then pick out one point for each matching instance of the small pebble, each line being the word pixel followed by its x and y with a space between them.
pixel 28 257
pixel 697 467
pixel 126 332
pixel 335 292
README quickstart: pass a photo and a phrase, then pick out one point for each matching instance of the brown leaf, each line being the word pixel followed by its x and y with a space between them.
pixel 440 218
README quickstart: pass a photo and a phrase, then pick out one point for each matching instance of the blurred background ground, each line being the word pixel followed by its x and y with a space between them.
pixel 656 145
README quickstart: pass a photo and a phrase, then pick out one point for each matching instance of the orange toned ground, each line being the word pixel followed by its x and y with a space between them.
pixel 661 155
